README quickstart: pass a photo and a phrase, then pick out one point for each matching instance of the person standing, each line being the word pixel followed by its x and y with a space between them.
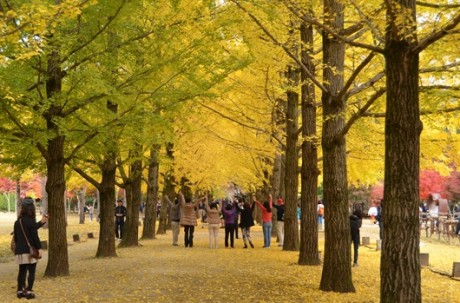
pixel 320 213
pixel 379 217
pixel 174 217
pixel 356 222
pixel 25 236
pixel 90 212
pixel 246 222
pixel 266 219
pixel 120 214
pixel 213 218
pixel 237 214
pixel 229 213
pixel 280 220
pixel 188 218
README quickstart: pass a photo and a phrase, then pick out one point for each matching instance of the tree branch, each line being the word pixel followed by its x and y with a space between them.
pixel 427 41
pixel 360 112
pixel 87 177
pixel 240 123
pixel 284 47
pixel 422 113
pixel 432 5
pixel 295 10
pixel 355 74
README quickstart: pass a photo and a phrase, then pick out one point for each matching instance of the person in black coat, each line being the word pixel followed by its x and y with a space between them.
pixel 246 221
pixel 120 214
pixel 355 224
pixel 25 233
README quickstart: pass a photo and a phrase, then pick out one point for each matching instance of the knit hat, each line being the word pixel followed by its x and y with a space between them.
pixel 280 201
pixel 27 201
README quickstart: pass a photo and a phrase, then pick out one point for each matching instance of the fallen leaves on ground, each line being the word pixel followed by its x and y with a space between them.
pixel 160 272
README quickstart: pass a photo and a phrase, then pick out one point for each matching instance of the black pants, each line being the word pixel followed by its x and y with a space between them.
pixel 236 228
pixel 229 231
pixel 355 248
pixel 119 227
pixel 23 269
pixel 188 235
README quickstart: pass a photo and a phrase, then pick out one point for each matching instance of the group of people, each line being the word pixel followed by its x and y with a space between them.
pixel 183 213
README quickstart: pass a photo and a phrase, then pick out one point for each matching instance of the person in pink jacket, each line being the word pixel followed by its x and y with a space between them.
pixel 266 219
pixel 188 218
pixel 213 215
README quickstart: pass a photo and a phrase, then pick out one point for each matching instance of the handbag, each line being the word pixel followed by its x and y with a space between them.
pixel 33 251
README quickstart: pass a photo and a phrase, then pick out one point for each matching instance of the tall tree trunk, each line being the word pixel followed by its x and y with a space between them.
pixel 336 275
pixel 44 196
pixel 58 258
pixel 309 172
pixel 106 245
pixel 18 197
pixel 81 195
pixel 152 195
pixel 400 276
pixel 168 189
pixel 291 238
pixel 133 200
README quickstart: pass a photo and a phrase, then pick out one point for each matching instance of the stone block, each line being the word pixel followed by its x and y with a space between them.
pixel 378 245
pixel 424 259
pixel 366 241
pixel 456 270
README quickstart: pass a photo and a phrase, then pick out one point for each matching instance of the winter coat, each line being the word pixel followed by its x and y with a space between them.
pixel 229 214
pixel 31 230
pixel 355 225
pixel 174 211
pixel 279 212
pixel 213 214
pixel 188 216
pixel 247 220
pixel 266 215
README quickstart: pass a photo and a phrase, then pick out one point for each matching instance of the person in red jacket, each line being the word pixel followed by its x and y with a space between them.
pixel 266 219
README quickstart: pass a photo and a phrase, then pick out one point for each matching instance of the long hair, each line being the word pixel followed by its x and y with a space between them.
pixel 267 207
pixel 27 210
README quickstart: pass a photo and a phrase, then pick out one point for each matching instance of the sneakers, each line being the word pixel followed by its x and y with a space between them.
pixel 355 264
pixel 252 245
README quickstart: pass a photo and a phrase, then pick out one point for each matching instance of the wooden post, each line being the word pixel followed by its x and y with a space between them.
pixel 366 241
pixel 456 270
pixel 379 245
pixel 76 238
pixel 424 259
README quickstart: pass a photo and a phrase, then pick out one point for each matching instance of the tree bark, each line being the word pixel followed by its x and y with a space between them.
pixel 291 234
pixel 309 172
pixel 106 245
pixel 400 276
pixel 58 258
pixel 148 231
pixel 168 189
pixel 44 196
pixel 336 274
pixel 81 195
pixel 133 200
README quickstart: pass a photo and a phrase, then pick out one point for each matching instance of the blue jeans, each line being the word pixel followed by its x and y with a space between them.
pixel 267 229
